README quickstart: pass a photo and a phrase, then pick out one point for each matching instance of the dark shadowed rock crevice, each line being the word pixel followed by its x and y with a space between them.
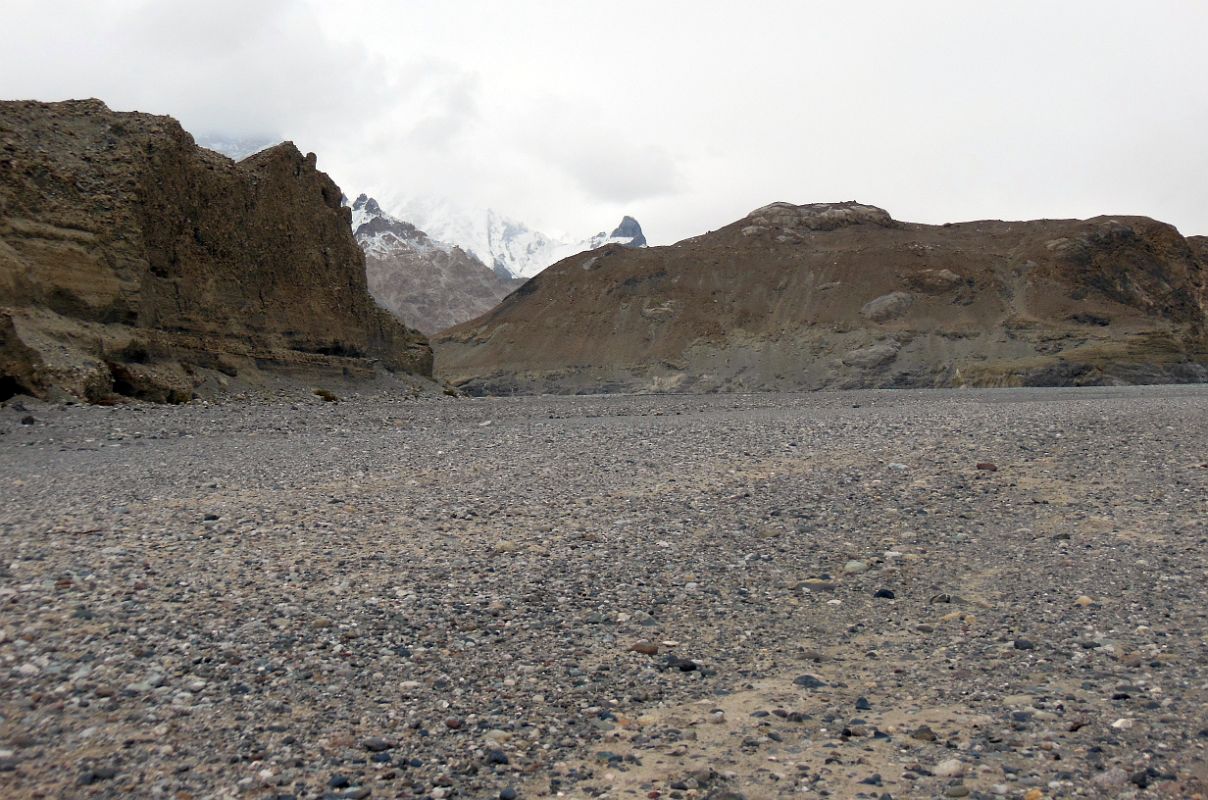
pixel 134 262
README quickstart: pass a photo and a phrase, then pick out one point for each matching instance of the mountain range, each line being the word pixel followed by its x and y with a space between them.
pixel 511 248
pixel 431 285
pixel 135 264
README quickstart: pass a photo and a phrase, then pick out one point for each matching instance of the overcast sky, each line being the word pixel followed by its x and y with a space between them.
pixel 566 114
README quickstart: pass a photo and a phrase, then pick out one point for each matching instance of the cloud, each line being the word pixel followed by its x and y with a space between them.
pixel 597 152
pixel 263 68
pixel 614 170
pixel 686 114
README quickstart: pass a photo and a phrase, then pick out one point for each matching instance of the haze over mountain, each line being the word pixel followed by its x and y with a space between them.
pixel 235 148
pixel 508 246
pixel 429 285
pixel 841 295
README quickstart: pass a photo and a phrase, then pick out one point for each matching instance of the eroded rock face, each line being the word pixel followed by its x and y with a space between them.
pixel 134 262
pixel 840 295
pixel 786 219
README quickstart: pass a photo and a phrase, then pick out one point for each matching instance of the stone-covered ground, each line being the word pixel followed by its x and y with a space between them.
pixel 678 597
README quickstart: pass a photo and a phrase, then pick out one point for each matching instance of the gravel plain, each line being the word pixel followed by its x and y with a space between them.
pixel 848 595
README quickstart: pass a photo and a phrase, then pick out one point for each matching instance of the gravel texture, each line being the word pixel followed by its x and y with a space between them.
pixel 872 594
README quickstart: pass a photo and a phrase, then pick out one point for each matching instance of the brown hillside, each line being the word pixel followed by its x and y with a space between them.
pixel 134 262
pixel 843 296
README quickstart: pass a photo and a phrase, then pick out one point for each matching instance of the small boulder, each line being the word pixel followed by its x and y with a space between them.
pixel 887 307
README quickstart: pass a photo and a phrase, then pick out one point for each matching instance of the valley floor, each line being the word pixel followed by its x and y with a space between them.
pixel 442 598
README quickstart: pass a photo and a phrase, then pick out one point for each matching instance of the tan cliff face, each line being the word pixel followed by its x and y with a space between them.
pixel 134 262
pixel 842 296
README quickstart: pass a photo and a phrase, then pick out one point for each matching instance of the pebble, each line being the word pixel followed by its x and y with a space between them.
pixel 923 733
pixel 351 591
pixel 950 768
pixel 375 744
pixel 809 682
pixel 855 567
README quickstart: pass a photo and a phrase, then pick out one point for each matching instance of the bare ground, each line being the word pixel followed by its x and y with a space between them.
pixel 440 598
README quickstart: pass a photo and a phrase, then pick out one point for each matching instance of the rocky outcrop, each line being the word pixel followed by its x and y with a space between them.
pixel 133 262
pixel 841 295
pixel 427 284
pixel 629 233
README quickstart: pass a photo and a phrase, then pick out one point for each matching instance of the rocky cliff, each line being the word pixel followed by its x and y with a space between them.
pixel 427 284
pixel 841 295
pixel 133 262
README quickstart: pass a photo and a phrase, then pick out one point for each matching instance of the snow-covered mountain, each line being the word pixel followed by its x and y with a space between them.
pixel 429 284
pixel 509 247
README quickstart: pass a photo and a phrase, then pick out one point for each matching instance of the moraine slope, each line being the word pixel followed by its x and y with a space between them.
pixel 843 296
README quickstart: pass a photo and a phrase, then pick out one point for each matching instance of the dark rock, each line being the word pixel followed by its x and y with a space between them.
pixel 681 664
pixel 923 733
pixel 376 744
pixel 629 229
pixel 96 775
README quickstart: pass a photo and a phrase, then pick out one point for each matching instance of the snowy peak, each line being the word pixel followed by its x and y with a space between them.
pixel 382 235
pixel 511 248
pixel 631 230
pixel 627 234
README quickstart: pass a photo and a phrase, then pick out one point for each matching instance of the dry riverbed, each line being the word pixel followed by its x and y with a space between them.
pixel 871 594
